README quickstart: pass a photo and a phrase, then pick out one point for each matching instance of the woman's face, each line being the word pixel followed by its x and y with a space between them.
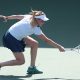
pixel 40 22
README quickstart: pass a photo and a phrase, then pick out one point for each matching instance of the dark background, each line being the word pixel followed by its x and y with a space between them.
pixel 63 26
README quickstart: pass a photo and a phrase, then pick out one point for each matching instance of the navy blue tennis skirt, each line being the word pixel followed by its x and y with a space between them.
pixel 12 43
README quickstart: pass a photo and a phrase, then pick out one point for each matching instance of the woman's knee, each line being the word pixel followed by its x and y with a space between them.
pixel 20 61
pixel 35 43
pixel 20 58
pixel 31 42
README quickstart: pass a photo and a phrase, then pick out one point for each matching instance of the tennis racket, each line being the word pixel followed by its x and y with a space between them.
pixel 75 49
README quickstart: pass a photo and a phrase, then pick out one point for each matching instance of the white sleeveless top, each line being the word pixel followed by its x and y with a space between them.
pixel 23 28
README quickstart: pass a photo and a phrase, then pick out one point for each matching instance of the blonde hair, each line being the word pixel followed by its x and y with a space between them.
pixel 37 13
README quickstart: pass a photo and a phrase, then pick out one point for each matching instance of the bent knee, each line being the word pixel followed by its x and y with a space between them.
pixel 35 43
pixel 20 61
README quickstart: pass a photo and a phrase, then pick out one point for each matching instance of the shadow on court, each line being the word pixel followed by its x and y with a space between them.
pixel 55 79
pixel 12 77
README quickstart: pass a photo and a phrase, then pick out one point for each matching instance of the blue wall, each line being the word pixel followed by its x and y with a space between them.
pixel 64 23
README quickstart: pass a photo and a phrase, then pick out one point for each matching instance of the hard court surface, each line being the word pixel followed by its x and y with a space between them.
pixel 54 64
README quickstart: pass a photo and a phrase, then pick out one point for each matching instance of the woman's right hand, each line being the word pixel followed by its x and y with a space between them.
pixel 61 49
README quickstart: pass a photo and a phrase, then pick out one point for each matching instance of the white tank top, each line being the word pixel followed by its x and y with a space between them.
pixel 23 28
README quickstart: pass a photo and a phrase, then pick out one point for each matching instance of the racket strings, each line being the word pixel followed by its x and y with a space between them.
pixel 77 49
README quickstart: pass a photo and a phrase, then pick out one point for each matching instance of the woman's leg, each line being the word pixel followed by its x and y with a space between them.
pixel 19 60
pixel 34 46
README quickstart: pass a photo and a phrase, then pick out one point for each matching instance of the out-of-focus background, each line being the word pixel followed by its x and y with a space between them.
pixel 63 26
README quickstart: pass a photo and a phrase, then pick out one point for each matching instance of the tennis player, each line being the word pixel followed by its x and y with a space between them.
pixel 18 36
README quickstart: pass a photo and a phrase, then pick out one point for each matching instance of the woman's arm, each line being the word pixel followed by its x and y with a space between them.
pixel 51 42
pixel 15 17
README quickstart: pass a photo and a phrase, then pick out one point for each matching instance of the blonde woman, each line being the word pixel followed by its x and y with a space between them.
pixel 18 36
